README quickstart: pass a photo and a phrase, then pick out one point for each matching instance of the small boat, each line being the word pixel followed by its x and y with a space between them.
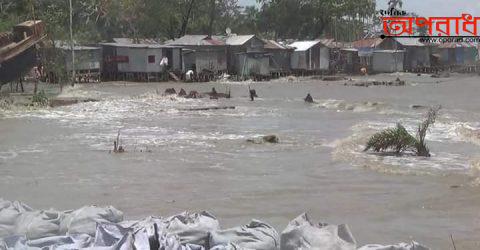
pixel 18 50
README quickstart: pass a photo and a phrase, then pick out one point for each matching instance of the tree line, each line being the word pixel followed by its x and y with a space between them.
pixel 101 20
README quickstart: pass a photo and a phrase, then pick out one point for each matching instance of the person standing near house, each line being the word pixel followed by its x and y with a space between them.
pixel 189 76
pixel 164 66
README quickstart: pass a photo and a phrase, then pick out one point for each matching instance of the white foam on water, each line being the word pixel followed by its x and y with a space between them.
pixel 7 155
pixel 143 121
pixel 445 130
pixel 219 166
pixel 141 137
pixel 78 91
pixel 359 107
pixel 468 132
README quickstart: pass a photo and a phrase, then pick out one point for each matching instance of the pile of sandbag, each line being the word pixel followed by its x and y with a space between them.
pixel 19 219
pixel 22 227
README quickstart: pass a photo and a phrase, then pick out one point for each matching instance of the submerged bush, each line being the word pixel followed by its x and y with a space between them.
pixel 394 139
pixel 40 98
pixel 398 140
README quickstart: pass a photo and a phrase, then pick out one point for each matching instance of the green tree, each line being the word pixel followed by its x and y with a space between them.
pixel 310 19
pixel 101 20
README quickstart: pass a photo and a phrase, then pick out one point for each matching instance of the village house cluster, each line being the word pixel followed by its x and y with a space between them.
pixel 204 57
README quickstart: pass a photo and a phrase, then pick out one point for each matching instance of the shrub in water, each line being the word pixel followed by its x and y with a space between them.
pixel 398 140
pixel 40 98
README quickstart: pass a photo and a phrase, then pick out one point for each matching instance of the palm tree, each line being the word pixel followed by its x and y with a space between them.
pixel 398 140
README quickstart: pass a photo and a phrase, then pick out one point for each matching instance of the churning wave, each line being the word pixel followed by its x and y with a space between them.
pixel 147 120
pixel 351 150
pixel 358 107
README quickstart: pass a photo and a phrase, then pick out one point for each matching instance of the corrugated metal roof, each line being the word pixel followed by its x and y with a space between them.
pixel 191 40
pixel 132 41
pixel 331 43
pixel 350 49
pixel 367 43
pixel 205 40
pixel 389 51
pixel 66 46
pixel 196 40
pixel 236 40
pixel 139 45
pixel 271 44
pixel 213 41
pixel 304 45
pixel 409 41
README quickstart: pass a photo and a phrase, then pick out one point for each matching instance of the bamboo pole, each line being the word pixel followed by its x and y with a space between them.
pixel 72 44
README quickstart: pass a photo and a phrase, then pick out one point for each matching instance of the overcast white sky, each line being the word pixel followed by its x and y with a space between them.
pixel 427 7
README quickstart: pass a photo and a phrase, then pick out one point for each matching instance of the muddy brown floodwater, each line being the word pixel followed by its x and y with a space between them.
pixel 179 159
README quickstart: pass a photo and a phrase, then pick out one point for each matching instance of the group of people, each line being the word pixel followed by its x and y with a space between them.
pixel 195 94
pixel 213 94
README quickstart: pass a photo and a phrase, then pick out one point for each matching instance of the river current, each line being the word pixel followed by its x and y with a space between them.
pixel 180 160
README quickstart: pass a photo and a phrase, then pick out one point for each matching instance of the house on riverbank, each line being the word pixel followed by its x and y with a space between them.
pixel 417 54
pixel 365 48
pixel 310 56
pixel 457 54
pixel 241 55
pixel 140 61
pixel 246 55
pixel 280 56
pixel 88 60
pixel 202 54
pixel 388 61
pixel 349 61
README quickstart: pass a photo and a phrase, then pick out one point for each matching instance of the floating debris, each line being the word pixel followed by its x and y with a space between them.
pixel 265 139
pixel 396 82
pixel 171 91
pixel 441 75
pixel 208 108
pixel 58 102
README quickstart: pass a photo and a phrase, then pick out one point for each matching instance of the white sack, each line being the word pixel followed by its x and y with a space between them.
pixel 255 235
pixel 84 220
pixel 192 228
pixel 230 246
pixel 401 246
pixel 147 234
pixel 39 224
pixel 303 234
pixel 9 213
pixel 55 242
pixel 109 234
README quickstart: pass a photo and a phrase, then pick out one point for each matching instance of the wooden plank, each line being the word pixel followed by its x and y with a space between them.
pixel 174 76
pixel 14 50
pixel 208 108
